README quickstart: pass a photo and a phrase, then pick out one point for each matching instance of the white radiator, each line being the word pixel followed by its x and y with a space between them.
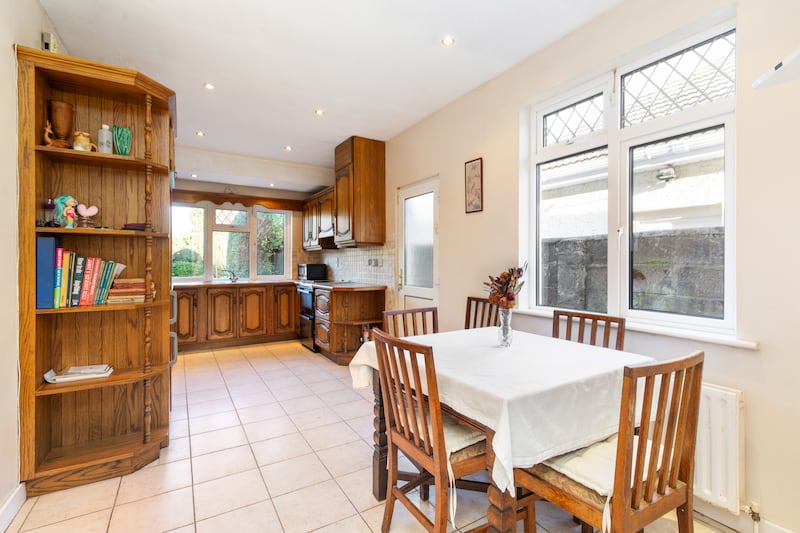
pixel 719 461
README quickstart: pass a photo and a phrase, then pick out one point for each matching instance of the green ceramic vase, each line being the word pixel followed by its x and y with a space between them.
pixel 122 140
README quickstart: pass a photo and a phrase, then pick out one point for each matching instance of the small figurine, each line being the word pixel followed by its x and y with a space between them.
pixel 85 215
pixel 50 138
pixel 65 211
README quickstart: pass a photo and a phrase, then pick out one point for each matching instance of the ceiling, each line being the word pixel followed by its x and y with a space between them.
pixel 375 67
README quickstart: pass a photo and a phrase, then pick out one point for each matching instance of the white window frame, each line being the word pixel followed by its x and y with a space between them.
pixel 251 228
pixel 619 141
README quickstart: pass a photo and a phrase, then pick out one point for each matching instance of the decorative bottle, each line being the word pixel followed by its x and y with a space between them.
pixel 104 140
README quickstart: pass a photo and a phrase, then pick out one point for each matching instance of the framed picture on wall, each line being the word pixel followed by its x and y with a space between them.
pixel 473 185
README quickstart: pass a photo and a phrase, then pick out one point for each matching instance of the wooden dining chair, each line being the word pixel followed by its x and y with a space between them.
pixel 623 474
pixel 600 328
pixel 407 322
pixel 416 425
pixel 481 313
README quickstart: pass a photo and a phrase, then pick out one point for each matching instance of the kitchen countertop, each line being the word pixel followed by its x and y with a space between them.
pixel 346 286
pixel 224 283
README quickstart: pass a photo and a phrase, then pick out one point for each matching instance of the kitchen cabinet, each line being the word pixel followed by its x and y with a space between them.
pixel 341 311
pixel 318 221
pixel 78 432
pixel 236 314
pixel 360 192
pixel 186 323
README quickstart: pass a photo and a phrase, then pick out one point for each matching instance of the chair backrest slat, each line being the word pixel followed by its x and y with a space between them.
pixel 408 384
pixel 663 461
pixel 481 313
pixel 578 322
pixel 408 322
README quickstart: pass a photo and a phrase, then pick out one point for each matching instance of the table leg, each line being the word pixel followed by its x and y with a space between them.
pixel 502 512
pixel 380 449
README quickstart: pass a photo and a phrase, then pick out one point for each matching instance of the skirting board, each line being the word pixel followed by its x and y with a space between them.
pixel 11 506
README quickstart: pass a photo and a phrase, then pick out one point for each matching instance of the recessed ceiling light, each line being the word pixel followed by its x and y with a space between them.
pixel 194 175
pixel 200 133
pixel 288 148
pixel 448 41
pixel 319 112
pixel 209 86
pixel 271 184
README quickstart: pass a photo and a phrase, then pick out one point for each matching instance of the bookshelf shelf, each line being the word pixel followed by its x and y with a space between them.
pixel 96 232
pixel 105 308
pixel 78 432
pixel 112 161
pixel 117 378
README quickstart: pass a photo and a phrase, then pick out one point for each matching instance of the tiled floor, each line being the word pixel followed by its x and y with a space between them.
pixel 266 438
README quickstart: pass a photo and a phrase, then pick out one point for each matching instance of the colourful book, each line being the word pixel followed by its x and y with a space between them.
pixel 101 285
pixel 65 279
pixel 45 267
pixel 98 269
pixel 57 280
pixel 77 280
pixel 88 271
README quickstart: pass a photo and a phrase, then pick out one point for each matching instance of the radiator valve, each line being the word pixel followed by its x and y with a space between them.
pixel 754 510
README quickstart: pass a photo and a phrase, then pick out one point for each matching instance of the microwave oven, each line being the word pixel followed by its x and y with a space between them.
pixel 312 271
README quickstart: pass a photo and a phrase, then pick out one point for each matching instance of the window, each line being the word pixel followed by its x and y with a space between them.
pixel 659 179
pixel 213 242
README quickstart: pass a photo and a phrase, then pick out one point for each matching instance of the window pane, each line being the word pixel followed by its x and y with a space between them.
pixel 703 73
pixel 418 247
pixel 187 241
pixel 232 217
pixel 572 121
pixel 572 266
pixel 231 251
pixel 270 252
pixel 678 232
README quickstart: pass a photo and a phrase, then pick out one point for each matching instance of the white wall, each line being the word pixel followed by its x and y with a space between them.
pixel 486 123
pixel 21 22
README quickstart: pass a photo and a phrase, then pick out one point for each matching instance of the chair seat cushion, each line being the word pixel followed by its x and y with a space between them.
pixel 458 437
pixel 592 466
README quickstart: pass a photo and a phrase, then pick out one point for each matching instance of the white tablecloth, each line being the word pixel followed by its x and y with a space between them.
pixel 541 396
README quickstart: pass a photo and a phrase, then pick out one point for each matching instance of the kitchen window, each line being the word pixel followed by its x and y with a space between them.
pixel 222 242
pixel 632 190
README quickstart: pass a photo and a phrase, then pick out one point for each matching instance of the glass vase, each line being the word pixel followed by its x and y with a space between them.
pixel 505 333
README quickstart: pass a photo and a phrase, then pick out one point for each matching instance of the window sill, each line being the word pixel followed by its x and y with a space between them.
pixel 667 331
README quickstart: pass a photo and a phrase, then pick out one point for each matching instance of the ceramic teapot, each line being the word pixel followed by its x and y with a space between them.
pixel 83 141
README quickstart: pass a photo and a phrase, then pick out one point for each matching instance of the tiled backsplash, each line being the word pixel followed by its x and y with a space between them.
pixel 365 264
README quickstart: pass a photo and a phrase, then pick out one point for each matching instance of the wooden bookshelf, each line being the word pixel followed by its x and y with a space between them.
pixel 83 431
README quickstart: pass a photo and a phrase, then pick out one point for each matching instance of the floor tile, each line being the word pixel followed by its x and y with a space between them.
pixel 222 463
pixel 210 407
pixel 294 473
pixel 260 412
pixel 302 404
pixel 166 511
pixel 328 385
pixel 203 424
pixel 330 506
pixel 96 522
pixel 16 524
pixel 156 480
pixel 328 436
pixel 280 448
pixel 70 503
pixel 354 524
pixel 213 441
pixel 252 399
pixel 358 488
pixel 337 397
pixel 267 429
pixel 346 458
pixel 257 518
pixel 291 392
pixel 228 493
pixel 314 418
pixel 354 409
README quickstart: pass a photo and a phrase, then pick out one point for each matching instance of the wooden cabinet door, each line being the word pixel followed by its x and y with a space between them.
pixel 322 304
pixel 186 325
pixel 325 211
pixel 322 334
pixel 285 309
pixel 252 311
pixel 311 219
pixel 343 205
pixel 222 319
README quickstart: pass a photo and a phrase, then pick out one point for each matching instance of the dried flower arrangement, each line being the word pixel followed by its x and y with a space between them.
pixel 504 288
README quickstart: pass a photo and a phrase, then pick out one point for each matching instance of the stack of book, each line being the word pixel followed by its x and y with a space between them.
pixel 67 279
pixel 128 290
pixel 75 373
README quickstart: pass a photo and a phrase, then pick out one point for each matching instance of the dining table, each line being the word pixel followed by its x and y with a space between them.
pixel 537 398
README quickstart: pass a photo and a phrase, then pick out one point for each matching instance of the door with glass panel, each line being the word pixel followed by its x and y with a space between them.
pixel 417 241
